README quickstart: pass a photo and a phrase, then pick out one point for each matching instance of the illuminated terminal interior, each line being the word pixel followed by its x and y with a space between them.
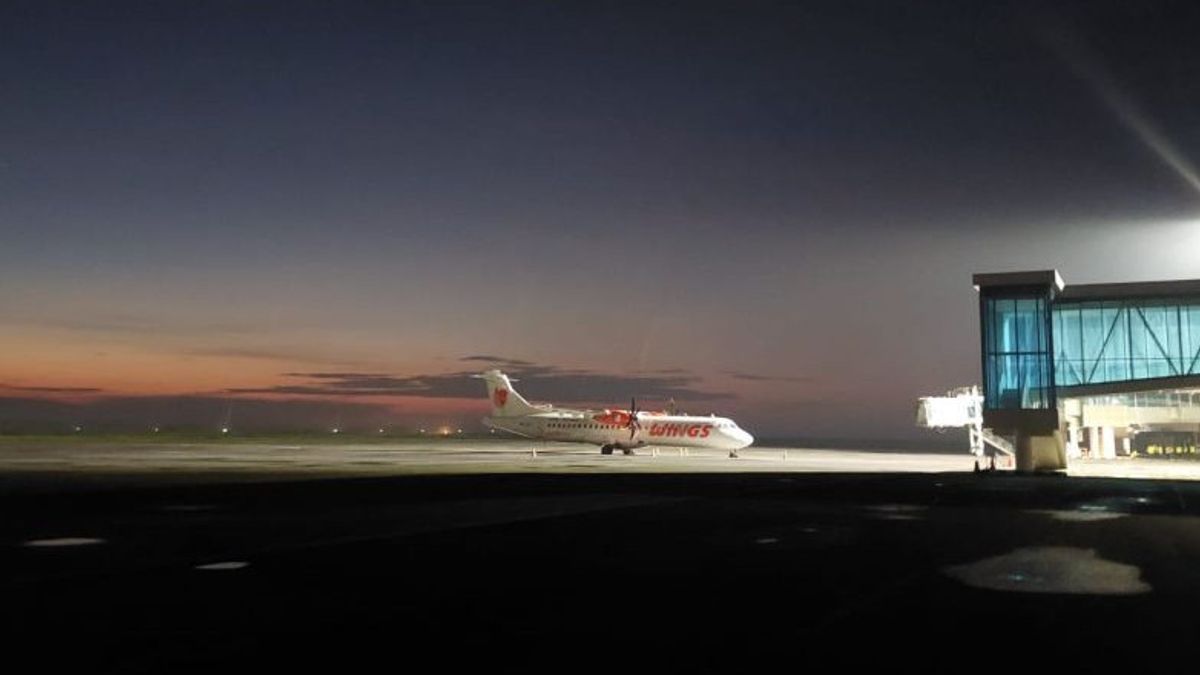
pixel 1101 370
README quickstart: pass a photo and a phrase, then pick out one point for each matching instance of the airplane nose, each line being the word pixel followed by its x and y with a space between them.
pixel 740 436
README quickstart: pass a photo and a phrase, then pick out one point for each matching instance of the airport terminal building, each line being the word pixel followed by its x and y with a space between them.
pixel 1095 369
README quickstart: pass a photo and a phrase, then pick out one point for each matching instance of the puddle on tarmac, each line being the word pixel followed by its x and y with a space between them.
pixel 1051 569
pixel 224 566
pixel 63 542
pixel 898 511
pixel 1082 516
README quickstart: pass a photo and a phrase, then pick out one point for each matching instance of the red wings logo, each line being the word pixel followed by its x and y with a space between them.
pixel 693 430
pixel 500 397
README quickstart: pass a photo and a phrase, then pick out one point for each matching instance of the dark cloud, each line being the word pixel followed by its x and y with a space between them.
pixel 497 360
pixel 54 390
pixel 333 389
pixel 334 376
pixel 752 377
pixel 585 386
pixel 536 382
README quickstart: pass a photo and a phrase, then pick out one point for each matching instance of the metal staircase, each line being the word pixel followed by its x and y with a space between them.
pixel 962 407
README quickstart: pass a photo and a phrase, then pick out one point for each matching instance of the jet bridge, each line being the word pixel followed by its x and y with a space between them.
pixel 1074 369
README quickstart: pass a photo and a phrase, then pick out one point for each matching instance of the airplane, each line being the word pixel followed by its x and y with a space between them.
pixel 622 430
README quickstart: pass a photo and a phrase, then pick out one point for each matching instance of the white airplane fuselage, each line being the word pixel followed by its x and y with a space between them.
pixel 607 428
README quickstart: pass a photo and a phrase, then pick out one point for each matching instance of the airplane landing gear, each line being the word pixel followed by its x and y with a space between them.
pixel 627 451
pixel 606 449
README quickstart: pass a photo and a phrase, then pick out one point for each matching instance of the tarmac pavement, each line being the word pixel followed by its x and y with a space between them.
pixel 601 565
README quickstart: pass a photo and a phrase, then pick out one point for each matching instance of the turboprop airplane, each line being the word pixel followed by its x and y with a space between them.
pixel 622 430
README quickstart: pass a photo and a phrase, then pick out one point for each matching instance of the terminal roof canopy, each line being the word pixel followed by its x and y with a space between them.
pixel 1034 278
pixel 1179 288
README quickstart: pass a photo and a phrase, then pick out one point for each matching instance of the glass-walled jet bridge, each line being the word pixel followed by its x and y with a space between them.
pixel 1052 354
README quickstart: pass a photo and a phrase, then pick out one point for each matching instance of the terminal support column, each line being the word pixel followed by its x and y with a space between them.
pixel 1041 451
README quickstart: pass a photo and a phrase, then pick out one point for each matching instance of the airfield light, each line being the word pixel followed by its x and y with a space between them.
pixel 78 428
pixel 336 430
pixel 224 430
pixel 156 430
pixel 460 431
pixel 381 431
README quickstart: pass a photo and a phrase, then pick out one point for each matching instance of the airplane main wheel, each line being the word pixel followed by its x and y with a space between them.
pixel 628 451
pixel 606 449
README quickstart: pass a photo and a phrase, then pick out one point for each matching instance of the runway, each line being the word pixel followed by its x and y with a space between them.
pixel 57 465
pixel 94 464
pixel 303 558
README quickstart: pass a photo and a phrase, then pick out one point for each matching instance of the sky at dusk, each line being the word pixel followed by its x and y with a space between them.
pixel 332 212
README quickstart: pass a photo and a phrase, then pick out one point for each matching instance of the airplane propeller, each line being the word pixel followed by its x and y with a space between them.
pixel 633 423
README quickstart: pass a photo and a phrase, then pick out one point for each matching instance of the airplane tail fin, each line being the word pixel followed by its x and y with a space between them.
pixel 506 402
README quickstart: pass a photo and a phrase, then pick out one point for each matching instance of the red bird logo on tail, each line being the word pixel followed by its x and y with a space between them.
pixel 500 397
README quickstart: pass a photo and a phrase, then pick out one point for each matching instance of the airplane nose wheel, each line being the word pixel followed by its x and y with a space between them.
pixel 606 449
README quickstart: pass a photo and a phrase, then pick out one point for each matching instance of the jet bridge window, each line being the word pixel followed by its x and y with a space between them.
pixel 1017 363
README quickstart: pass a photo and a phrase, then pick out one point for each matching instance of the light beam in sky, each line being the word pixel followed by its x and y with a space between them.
pixel 1084 64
